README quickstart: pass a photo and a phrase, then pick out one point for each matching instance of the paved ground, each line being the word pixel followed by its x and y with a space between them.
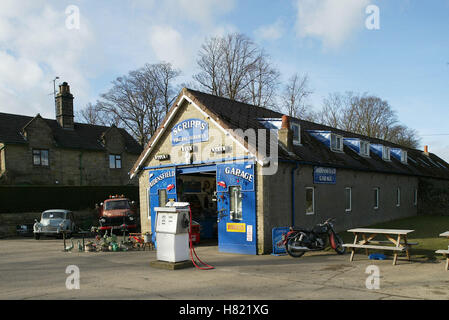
pixel 31 269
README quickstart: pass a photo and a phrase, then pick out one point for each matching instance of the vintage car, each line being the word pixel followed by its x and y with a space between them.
pixel 116 213
pixel 55 222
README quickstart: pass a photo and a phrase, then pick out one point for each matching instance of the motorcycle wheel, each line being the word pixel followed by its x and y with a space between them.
pixel 293 253
pixel 338 244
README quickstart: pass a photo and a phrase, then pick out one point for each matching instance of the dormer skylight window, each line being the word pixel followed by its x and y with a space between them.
pixel 386 153
pixel 404 156
pixel 364 148
pixel 336 142
pixel 296 129
pixel 399 154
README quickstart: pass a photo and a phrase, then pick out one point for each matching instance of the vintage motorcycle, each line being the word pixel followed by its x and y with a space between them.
pixel 299 241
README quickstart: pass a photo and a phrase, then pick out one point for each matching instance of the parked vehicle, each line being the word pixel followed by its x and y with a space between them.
pixel 299 241
pixel 117 213
pixel 55 222
pixel 25 230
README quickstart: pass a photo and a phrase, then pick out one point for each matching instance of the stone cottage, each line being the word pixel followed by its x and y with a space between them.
pixel 34 150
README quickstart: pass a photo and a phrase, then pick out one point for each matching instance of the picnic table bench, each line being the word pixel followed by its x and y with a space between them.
pixel 368 235
pixel 445 252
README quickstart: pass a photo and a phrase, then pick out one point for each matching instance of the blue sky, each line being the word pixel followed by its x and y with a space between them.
pixel 404 62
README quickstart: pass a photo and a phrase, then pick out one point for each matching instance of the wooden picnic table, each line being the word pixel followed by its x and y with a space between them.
pixel 445 234
pixel 445 252
pixel 364 238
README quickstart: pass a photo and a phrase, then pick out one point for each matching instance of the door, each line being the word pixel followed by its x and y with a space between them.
pixel 236 206
pixel 162 189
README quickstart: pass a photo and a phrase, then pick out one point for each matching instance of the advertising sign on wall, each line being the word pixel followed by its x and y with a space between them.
pixel 324 175
pixel 189 131
pixel 278 245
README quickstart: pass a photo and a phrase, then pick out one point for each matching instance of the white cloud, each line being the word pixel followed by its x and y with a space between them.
pixel 168 45
pixel 36 46
pixel 270 32
pixel 332 21
pixel 203 11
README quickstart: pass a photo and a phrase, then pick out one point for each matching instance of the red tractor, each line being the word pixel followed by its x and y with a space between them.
pixel 117 213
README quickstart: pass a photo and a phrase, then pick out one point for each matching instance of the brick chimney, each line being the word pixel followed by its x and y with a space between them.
pixel 426 150
pixel 64 106
pixel 285 134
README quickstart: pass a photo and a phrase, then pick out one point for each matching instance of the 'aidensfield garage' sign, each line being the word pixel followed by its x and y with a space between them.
pixel 190 131
pixel 324 175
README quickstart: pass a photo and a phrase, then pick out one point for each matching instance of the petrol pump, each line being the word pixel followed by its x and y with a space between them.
pixel 172 232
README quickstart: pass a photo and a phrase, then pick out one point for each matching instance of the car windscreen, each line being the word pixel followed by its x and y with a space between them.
pixel 117 204
pixel 53 215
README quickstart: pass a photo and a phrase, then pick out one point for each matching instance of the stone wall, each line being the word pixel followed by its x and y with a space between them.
pixel 330 201
pixel 433 197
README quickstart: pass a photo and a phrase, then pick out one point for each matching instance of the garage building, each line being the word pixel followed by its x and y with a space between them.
pixel 246 170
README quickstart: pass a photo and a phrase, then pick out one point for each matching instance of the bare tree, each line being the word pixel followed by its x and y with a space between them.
pixel 90 115
pixel 366 115
pixel 262 89
pixel 233 66
pixel 139 101
pixel 294 97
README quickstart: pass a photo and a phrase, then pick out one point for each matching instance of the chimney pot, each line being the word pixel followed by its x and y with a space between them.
pixel 64 107
pixel 285 134
pixel 285 122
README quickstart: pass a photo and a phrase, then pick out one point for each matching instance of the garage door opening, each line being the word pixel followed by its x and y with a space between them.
pixel 199 189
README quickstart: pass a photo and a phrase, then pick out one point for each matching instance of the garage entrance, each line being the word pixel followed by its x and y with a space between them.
pixel 222 198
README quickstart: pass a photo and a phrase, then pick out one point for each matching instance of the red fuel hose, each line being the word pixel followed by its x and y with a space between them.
pixel 192 249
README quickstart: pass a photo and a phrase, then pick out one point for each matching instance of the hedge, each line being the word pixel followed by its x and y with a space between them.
pixel 40 198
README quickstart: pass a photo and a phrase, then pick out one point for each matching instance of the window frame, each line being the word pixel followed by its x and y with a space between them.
pixel 404 156
pixel 117 157
pixel 39 153
pixel 348 210
pixel 237 205
pixel 164 192
pixel 340 145
pixel 313 201
pixel 298 126
pixel 377 198
pixel 367 144
pixel 386 155
pixel 398 197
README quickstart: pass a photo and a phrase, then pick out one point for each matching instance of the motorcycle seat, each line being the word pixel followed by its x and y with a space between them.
pixel 294 228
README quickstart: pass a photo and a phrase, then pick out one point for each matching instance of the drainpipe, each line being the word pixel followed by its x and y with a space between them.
pixel 81 168
pixel 293 191
pixel 1 148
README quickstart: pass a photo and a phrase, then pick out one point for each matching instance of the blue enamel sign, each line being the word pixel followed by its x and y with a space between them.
pixel 324 175
pixel 160 180
pixel 235 174
pixel 163 179
pixel 189 131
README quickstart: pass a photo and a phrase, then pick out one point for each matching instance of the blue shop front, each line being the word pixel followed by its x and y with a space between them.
pixel 221 193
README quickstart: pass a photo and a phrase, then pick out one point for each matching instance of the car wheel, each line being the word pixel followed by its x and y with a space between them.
pixel 37 236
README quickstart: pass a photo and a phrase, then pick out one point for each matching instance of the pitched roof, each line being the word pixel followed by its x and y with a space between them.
pixel 237 115
pixel 84 136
